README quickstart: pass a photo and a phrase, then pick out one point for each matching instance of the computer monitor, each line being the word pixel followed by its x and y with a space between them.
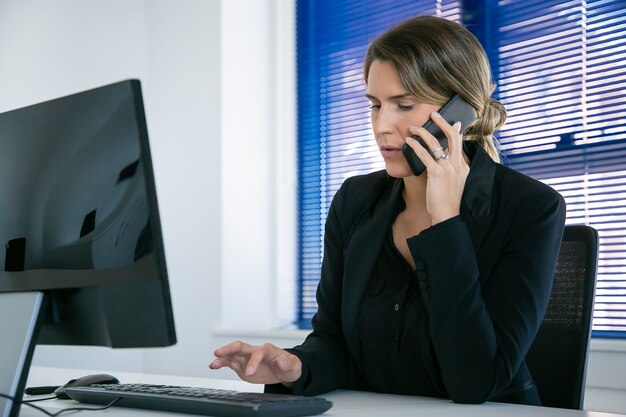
pixel 80 221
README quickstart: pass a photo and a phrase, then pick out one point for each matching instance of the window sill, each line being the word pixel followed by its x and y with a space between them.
pixel 607 345
pixel 294 334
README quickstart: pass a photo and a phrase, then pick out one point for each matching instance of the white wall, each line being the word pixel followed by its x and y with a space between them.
pixel 220 104
pixel 258 164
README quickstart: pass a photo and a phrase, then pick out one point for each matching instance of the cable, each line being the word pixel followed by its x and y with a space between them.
pixel 65 410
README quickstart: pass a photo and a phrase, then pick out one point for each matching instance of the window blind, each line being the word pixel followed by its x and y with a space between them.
pixel 334 131
pixel 561 73
pixel 560 69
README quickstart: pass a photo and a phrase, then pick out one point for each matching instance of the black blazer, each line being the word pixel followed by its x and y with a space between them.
pixel 485 278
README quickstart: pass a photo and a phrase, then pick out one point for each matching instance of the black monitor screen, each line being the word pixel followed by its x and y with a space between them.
pixel 80 221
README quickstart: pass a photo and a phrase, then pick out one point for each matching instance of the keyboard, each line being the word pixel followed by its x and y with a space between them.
pixel 203 401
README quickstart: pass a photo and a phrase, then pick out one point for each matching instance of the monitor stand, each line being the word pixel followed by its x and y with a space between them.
pixel 19 319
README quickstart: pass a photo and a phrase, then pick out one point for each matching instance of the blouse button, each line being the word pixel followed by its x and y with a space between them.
pixel 396 307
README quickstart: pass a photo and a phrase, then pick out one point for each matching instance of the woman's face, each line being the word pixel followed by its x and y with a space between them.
pixel 393 110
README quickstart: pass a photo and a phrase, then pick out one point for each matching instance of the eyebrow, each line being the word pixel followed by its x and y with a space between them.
pixel 396 97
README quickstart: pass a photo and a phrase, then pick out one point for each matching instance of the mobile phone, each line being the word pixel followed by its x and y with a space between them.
pixel 455 110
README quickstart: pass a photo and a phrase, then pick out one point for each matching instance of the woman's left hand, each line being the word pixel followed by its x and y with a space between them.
pixel 446 175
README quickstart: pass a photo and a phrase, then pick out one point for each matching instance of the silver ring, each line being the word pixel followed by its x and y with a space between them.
pixel 437 149
pixel 443 156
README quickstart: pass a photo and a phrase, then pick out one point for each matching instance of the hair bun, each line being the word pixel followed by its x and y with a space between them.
pixel 489 120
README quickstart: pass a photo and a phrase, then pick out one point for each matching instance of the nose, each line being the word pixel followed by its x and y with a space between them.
pixel 382 122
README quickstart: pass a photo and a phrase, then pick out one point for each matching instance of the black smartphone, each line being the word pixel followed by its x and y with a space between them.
pixel 455 110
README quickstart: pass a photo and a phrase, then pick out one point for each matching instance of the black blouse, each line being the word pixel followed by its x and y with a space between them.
pixel 392 315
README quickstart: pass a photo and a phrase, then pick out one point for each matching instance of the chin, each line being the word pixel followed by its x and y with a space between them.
pixel 397 169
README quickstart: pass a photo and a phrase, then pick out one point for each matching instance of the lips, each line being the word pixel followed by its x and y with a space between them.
pixel 389 151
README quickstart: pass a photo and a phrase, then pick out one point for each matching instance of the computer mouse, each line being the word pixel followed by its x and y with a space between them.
pixel 83 382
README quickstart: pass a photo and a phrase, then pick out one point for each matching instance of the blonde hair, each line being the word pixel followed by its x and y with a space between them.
pixel 437 58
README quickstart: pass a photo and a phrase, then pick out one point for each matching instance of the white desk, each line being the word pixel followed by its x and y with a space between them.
pixel 346 403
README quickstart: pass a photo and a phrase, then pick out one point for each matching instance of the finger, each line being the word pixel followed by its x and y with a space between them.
pixel 452 133
pixel 290 365
pixel 227 349
pixel 235 365
pixel 237 368
pixel 284 361
pixel 421 153
pixel 433 144
pixel 255 360
pixel 458 147
pixel 280 358
pixel 241 358
pixel 234 347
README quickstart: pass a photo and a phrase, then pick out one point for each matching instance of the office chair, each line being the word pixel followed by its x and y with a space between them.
pixel 558 357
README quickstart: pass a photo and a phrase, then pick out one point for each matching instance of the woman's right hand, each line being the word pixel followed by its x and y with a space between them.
pixel 266 364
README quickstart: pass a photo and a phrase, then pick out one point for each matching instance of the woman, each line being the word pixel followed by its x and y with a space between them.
pixel 434 284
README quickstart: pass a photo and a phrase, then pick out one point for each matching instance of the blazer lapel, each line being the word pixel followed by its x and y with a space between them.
pixel 478 194
pixel 360 258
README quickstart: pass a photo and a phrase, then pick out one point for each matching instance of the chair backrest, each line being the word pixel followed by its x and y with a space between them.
pixel 558 357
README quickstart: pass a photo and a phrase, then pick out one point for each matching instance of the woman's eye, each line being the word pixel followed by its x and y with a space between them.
pixel 405 107
pixel 374 106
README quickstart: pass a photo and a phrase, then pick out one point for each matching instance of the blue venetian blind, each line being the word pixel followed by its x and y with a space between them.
pixel 561 73
pixel 334 132
pixel 560 67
